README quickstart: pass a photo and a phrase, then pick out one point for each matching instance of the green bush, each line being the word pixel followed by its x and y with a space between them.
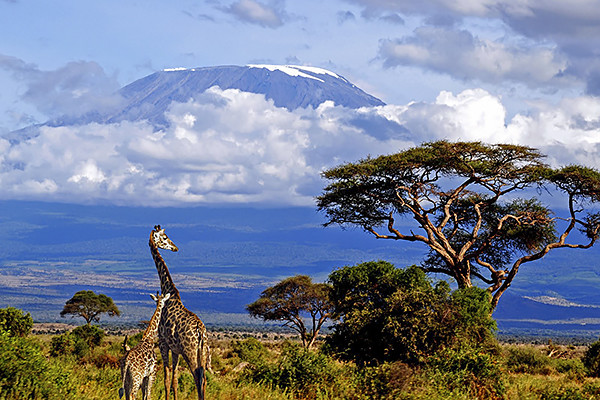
pixel 386 314
pixel 591 359
pixel 250 350
pixel 574 368
pixel 528 360
pixel 309 374
pixel 15 322
pixel 62 344
pixel 25 373
pixel 385 381
pixel 467 370
pixel 79 342
pixel 92 335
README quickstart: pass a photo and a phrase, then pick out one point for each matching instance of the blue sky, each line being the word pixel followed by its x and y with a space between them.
pixel 520 71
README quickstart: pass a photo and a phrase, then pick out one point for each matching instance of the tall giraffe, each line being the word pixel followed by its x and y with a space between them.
pixel 180 331
pixel 138 366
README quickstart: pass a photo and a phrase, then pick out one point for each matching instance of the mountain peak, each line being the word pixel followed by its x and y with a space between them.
pixel 288 86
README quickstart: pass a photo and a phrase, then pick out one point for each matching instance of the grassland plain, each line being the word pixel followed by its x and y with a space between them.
pixel 258 365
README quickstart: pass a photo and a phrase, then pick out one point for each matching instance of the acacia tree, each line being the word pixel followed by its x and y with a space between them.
pixel 90 306
pixel 292 299
pixel 463 198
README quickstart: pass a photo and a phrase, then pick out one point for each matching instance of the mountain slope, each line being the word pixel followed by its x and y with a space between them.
pixel 148 98
pixel 287 86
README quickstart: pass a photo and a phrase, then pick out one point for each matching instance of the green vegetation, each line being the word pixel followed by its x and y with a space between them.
pixel 259 367
pixel 395 334
pixel 90 306
pixel 15 322
pixel 386 314
pixel 291 300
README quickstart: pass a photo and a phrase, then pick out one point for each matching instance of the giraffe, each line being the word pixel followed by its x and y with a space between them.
pixel 180 331
pixel 138 366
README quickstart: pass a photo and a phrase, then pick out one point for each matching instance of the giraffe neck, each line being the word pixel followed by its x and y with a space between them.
pixel 166 282
pixel 152 329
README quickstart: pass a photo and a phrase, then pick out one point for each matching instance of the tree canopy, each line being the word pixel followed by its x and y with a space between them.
pixel 90 306
pixel 383 313
pixel 464 198
pixel 291 300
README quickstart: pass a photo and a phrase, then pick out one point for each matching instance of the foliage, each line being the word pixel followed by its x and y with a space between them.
pixel 308 374
pixel 90 306
pixel 280 370
pixel 26 373
pixel 15 322
pixel 527 359
pixel 249 350
pixel 388 380
pixel 290 300
pixel 464 198
pixel 465 369
pixel 591 359
pixel 387 314
pixel 79 342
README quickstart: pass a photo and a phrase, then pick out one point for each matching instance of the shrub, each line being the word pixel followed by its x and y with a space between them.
pixel 309 374
pixel 62 344
pixel 79 342
pixel 387 314
pixel 92 335
pixel 250 350
pixel 385 381
pixel 26 374
pixel 591 359
pixel 528 360
pixel 467 370
pixel 15 322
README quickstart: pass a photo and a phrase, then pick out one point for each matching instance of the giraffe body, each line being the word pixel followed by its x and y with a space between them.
pixel 180 332
pixel 138 366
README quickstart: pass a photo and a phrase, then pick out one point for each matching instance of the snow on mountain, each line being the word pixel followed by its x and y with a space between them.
pixel 288 86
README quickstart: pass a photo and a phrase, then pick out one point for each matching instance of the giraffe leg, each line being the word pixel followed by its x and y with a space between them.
pixel 151 378
pixel 134 389
pixel 164 353
pixel 144 388
pixel 175 383
pixel 128 384
pixel 200 381
pixel 197 364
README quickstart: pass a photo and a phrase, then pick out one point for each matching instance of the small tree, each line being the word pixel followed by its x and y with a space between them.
pixel 291 300
pixel 15 322
pixel 90 306
pixel 464 200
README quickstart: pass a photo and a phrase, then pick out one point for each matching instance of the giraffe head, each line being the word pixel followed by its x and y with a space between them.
pixel 160 299
pixel 161 240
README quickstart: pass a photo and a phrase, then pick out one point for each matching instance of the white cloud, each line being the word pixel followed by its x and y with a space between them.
pixel 268 15
pixel 228 146
pixel 235 147
pixel 564 26
pixel 464 56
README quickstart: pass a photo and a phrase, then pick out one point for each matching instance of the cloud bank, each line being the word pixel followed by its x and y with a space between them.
pixel 270 15
pixel 228 147
pixel 535 43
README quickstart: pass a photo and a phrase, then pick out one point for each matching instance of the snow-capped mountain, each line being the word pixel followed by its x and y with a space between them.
pixel 288 86
pixel 148 98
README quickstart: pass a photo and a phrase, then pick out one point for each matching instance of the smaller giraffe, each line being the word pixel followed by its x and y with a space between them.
pixel 138 366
